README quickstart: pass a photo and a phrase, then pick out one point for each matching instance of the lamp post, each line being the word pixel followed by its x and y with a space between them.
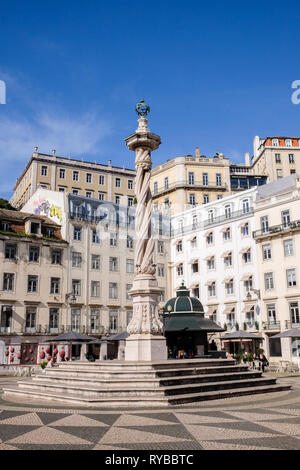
pixel 146 341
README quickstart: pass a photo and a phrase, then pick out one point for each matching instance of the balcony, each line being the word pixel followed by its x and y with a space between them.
pixel 271 326
pixel 277 229
pixel 292 324
pixel 183 184
pixel 211 222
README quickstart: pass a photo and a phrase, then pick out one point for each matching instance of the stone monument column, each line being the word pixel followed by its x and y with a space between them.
pixel 146 341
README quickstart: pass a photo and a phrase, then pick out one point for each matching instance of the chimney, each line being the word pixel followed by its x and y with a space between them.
pixel 197 152
pixel 247 158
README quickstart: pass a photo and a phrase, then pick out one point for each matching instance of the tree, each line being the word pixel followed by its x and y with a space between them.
pixel 4 204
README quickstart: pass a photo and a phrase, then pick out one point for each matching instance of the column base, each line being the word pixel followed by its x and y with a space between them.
pixel 146 348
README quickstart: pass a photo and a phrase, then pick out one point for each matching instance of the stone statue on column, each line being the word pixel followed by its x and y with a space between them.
pixel 146 340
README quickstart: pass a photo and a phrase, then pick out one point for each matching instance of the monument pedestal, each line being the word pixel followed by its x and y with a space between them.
pixel 146 348
pixel 146 341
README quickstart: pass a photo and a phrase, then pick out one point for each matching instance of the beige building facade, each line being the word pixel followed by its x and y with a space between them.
pixel 94 180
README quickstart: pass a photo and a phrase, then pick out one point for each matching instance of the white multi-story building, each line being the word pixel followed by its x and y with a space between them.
pixel 213 251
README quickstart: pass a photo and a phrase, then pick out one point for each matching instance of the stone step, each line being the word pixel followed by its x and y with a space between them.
pixel 140 382
pixel 129 389
pixel 132 402
pixel 82 373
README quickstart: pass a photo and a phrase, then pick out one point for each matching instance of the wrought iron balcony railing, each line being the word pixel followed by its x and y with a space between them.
pixel 185 184
pixel 275 229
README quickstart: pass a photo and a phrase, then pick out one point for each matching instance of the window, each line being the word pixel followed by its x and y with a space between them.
pixel 228 260
pixel 55 285
pixel 264 224
pixel 95 263
pixel 218 179
pixel 205 179
pixel 277 158
pixel 113 240
pixel 210 238
pixel 246 206
pixel 160 270
pixel 160 247
pixel 247 256
pixel 95 237
pixel 212 289
pixel 113 264
pixel 53 319
pixel 95 289
pixel 196 291
pixel 229 287
pixel 77 233
pixel 130 266
pixel 155 188
pixel 294 311
pixel 75 319
pixel 275 142
pixel 101 179
pixel 118 182
pixel 101 196
pixel 56 256
pixel 191 178
pixel 195 267
pixel 269 281
pixel 288 142
pixel 179 246
pixel 76 260
pixel 76 287
pixel 285 217
pixel 266 250
pixel 195 222
pixel 129 314
pixel 5 226
pixel 291 277
pixel 34 228
pixel 130 242
pixel 62 173
pixel 248 284
pixel 166 181
pixel 30 320
pixel 130 184
pixel 130 201
pixel 291 158
pixel 88 194
pixel 288 247
pixel 32 284
pixel 211 263
pixel 94 320
pixel 219 196
pixel 34 254
pixel 75 192
pixel 113 321
pixel 113 290
pixel 180 270
pixel 279 173
pixel 8 281
pixel 227 234
pixel 271 312
pixel 192 199
pixel 211 216
pixel 128 288
pixel 205 198
pixel 117 200
pixel 6 318
pixel 245 230
pixel 75 176
pixel 44 170
pixel 228 211
pixel 194 243
pixel 166 203
pixel 88 177
pixel 162 297
pixel 61 189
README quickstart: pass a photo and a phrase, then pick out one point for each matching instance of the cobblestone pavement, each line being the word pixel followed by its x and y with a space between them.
pixel 261 422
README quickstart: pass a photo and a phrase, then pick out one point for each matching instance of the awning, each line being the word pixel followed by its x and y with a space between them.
pixel 118 337
pixel 212 309
pixel 208 257
pixel 241 335
pixel 225 253
pixel 225 228
pixel 71 337
pixel 227 279
pixel 293 333
pixel 248 307
pixel 209 283
pixel 195 284
pixel 244 250
pixel 194 237
pixel 194 260
pixel 246 276
pixel 229 309
pixel 185 322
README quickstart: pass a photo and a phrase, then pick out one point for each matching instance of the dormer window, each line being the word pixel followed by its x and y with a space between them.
pixel 288 142
pixel 5 226
pixel 35 228
pixel 275 142
pixel 50 232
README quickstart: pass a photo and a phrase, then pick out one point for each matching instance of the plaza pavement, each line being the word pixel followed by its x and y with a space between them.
pixel 258 422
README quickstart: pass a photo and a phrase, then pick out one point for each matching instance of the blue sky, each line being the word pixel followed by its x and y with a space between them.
pixel 214 73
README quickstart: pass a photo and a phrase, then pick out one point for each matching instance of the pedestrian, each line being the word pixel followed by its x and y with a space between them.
pixel 263 362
